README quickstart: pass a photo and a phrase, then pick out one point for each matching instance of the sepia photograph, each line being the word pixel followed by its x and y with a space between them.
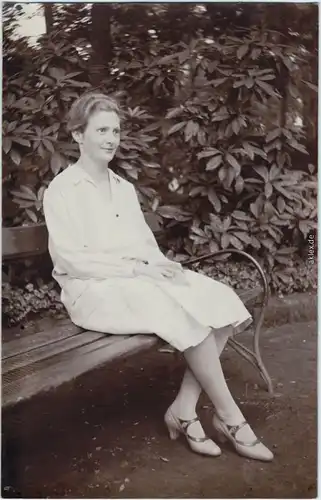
pixel 159 250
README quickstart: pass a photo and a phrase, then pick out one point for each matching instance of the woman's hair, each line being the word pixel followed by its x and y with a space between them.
pixel 85 106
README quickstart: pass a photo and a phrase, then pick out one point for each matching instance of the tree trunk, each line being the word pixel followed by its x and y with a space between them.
pixel 101 42
pixel 48 11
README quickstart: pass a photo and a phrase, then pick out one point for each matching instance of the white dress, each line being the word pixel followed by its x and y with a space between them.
pixel 93 245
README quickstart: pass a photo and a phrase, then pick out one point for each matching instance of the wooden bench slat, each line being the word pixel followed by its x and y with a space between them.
pixel 24 241
pixel 29 369
pixel 61 331
pixel 73 364
pixel 49 350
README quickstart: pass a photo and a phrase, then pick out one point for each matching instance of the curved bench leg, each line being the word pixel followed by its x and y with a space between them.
pixel 256 360
pixel 256 345
pixel 254 357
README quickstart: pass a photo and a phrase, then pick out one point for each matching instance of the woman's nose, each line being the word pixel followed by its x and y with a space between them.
pixel 110 138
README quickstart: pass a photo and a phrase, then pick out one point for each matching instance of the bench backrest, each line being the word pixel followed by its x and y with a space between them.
pixel 24 241
pixel 27 241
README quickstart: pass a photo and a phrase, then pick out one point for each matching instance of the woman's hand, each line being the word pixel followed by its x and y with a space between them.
pixel 166 270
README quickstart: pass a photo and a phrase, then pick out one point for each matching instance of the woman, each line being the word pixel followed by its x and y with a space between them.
pixel 114 279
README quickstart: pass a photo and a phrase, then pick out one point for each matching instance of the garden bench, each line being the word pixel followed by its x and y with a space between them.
pixel 47 357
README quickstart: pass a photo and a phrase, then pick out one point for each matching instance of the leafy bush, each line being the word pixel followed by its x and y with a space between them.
pixel 299 277
pixel 19 303
pixel 210 136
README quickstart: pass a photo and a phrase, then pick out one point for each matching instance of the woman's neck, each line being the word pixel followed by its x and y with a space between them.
pixel 98 171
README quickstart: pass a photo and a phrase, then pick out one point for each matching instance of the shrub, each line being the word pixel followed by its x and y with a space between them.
pixel 210 137
pixel 19 303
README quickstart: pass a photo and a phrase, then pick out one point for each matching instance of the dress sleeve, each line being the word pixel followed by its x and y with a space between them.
pixel 154 253
pixel 69 253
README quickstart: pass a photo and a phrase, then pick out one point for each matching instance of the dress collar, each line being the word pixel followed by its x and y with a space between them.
pixel 82 175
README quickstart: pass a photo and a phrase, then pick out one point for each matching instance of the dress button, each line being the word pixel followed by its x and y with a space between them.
pixel 117 215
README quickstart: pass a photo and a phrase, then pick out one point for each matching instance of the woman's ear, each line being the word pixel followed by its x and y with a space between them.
pixel 77 136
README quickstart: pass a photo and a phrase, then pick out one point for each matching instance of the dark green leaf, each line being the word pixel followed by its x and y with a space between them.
pixel 214 163
pixel 304 228
pixel 173 212
pixel 267 88
pixel 20 140
pixel 57 73
pixel 207 153
pixel 167 59
pixel 183 56
pixel 255 53
pixel 76 84
pixel 32 215
pixel 220 117
pixel 56 163
pixel 269 209
pixel 173 113
pixel 294 91
pixel 263 172
pixel 311 85
pixel 236 126
pixel 6 144
pixel 240 215
pixel 218 81
pixel 249 82
pixel 259 152
pixel 249 150
pixel 176 128
pixel 229 177
pixel 280 204
pixel 15 156
pixel 197 190
pixel 213 198
pixel 274 172
pixel 255 242
pixel 266 77
pixel 201 137
pixel 254 207
pixel 268 189
pixel 239 184
pixel 286 250
pixel 236 242
pixel 268 243
pixel 191 129
pixel 243 237
pixel 239 83
pixel 227 222
pixel 25 194
pixel 299 147
pixel 233 161
pixel 241 51
pixel 48 145
pixel 282 260
pixel 273 134
pixel 225 240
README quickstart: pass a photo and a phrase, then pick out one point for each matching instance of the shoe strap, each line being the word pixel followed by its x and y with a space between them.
pixel 233 430
pixel 185 425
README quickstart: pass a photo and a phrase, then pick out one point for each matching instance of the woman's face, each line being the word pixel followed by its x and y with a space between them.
pixel 101 136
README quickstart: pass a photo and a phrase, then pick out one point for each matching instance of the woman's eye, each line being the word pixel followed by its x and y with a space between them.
pixel 116 131
pixel 103 130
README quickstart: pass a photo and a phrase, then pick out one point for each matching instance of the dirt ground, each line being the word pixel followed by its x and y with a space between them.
pixel 103 435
